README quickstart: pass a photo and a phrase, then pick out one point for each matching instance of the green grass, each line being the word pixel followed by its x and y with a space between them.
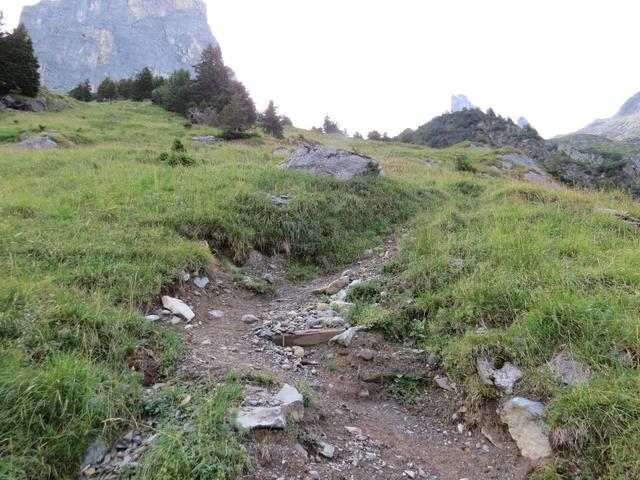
pixel 90 233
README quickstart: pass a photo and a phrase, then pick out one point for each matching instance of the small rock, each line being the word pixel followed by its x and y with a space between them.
pixel 269 278
pixel 217 313
pixel 95 453
pixel 457 262
pixel 201 282
pixel 250 319
pixel 152 318
pixel 526 426
pixel 567 370
pixel 504 378
pixel 178 307
pixel 443 382
pixel 261 417
pixel 175 320
pixel 410 473
pixel 334 287
pixel 281 151
pixel 327 450
pixel 298 352
pixel 354 430
pixel 366 354
pixel 208 139
pixel 314 475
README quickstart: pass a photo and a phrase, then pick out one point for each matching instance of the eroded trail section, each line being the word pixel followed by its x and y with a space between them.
pixel 356 428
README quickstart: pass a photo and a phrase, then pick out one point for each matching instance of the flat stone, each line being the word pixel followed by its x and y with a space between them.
pixel 201 282
pixel 526 426
pixel 261 417
pixel 346 337
pixel 95 453
pixel 292 402
pixel 334 287
pixel 305 338
pixel 178 307
pixel 208 139
pixel 217 313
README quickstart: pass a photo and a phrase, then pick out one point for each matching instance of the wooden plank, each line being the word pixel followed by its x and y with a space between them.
pixel 306 338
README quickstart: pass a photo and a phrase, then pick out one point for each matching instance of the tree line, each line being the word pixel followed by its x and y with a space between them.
pixel 18 63
pixel 212 97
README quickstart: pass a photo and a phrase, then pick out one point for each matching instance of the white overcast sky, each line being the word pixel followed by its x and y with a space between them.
pixel 387 65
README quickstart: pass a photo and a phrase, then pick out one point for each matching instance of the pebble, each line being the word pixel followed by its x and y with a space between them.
pixel 175 320
pixel 216 313
pixel 249 318
pixel 201 282
pixel 152 318
pixel 314 475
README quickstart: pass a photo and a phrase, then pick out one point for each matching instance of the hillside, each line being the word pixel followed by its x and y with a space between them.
pixel 473 125
pixel 452 260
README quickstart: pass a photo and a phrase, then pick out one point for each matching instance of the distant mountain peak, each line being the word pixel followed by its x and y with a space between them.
pixel 460 102
pixel 630 107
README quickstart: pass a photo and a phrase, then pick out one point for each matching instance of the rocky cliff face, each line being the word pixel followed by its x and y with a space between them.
pixel 460 102
pixel 79 39
pixel 624 123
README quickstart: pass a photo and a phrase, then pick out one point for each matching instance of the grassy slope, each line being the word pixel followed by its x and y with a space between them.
pixel 89 233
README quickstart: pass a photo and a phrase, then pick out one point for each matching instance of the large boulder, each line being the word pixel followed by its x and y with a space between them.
pixel 333 162
pixel 526 426
pixel 41 142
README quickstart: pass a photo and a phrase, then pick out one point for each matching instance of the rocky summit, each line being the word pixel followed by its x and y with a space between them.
pixel 624 123
pixel 79 39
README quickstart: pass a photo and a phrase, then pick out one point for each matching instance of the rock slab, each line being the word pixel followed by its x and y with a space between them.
pixel 178 307
pixel 332 162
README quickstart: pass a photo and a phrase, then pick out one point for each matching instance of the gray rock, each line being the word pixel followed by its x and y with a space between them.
pixel 38 143
pixel 95 453
pixel 333 162
pixel 504 378
pixel 201 282
pixel 292 402
pixel 523 122
pixel 346 337
pixel 217 313
pixel 366 354
pixel 269 278
pixel 526 426
pixel 281 151
pixel 314 475
pixel 78 39
pixel 567 370
pixel 152 318
pixel 208 139
pixel 334 287
pixel 250 319
pixel 278 199
pixel 261 417
pixel 327 450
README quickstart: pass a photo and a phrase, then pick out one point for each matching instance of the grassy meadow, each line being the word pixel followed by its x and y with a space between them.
pixel 90 232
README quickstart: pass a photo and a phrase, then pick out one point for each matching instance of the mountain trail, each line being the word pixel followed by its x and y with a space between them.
pixel 422 437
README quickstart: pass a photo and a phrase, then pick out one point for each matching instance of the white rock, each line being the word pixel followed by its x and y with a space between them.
pixel 216 313
pixel 526 426
pixel 504 378
pixel 152 318
pixel 261 417
pixel 292 402
pixel 250 318
pixel 346 337
pixel 327 450
pixel 334 287
pixel 178 307
pixel 201 282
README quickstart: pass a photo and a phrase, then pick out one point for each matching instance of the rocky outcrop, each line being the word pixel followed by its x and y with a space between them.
pixel 523 122
pixel 333 162
pixel 460 102
pixel 79 39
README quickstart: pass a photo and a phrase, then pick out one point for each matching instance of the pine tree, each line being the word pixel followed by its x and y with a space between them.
pixel 125 88
pixel 107 90
pixel 82 91
pixel 236 117
pixel 176 94
pixel 143 85
pixel 271 121
pixel 212 82
pixel 329 126
pixel 20 66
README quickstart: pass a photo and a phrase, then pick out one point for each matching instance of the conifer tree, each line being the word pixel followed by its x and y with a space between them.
pixel 20 66
pixel 143 85
pixel 107 90
pixel 271 121
pixel 212 83
pixel 82 91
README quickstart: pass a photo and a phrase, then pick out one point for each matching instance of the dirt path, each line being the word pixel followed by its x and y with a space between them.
pixel 422 439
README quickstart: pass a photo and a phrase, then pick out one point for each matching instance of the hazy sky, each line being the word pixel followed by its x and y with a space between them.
pixel 377 64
